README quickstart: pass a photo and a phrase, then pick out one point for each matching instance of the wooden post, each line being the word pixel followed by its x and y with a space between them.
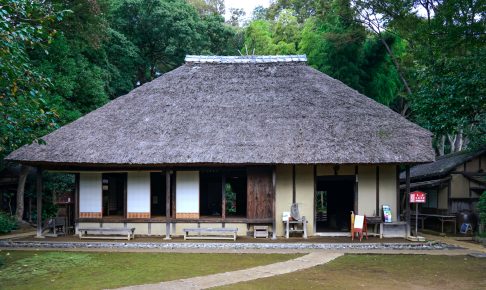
pixel 274 189
pixel 377 205
pixel 356 195
pixel 76 202
pixel 167 205
pixel 397 180
pixel 39 202
pixel 314 228
pixel 223 197
pixel 407 196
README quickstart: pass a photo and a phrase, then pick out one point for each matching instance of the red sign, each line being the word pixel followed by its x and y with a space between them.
pixel 417 197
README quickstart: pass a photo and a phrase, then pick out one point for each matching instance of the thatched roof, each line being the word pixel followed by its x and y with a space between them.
pixel 261 112
pixel 443 165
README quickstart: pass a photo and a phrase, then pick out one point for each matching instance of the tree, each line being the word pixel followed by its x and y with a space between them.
pixel 26 111
pixel 163 31
pixel 334 41
pixel 258 38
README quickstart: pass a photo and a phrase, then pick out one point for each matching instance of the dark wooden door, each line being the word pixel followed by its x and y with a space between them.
pixel 260 193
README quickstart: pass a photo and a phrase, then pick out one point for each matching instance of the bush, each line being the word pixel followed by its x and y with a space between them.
pixel 482 209
pixel 7 223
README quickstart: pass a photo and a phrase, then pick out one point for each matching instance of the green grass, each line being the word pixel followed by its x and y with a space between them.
pixel 382 272
pixel 83 270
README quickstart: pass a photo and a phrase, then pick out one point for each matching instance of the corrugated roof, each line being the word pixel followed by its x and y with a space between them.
pixel 245 59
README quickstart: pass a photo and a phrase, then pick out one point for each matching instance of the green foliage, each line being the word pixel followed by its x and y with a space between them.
pixel 7 223
pixel 163 31
pixel 482 208
pixel 230 198
pixel 334 43
pixel 26 110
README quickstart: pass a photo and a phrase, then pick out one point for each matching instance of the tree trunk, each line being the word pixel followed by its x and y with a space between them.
pixel 452 142
pixel 24 171
pixel 441 145
pixel 459 141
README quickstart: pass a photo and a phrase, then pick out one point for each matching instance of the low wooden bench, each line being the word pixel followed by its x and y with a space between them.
pixel 211 234
pixel 107 233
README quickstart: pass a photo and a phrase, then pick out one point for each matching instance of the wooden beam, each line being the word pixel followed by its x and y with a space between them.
pixel 407 194
pixel 377 205
pixel 39 201
pixel 223 196
pixel 167 205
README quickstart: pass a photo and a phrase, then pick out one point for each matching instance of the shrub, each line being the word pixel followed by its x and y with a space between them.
pixel 7 223
pixel 482 208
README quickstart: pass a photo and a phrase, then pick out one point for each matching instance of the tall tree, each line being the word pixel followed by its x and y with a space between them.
pixel 163 31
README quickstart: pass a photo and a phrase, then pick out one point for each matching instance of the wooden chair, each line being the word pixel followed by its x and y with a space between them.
pixel 358 230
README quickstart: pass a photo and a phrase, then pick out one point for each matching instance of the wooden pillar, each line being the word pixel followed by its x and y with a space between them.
pixel 223 197
pixel 356 195
pixel 377 205
pixel 167 205
pixel 39 201
pixel 397 193
pixel 76 202
pixel 315 197
pixel 294 193
pixel 274 191
pixel 407 195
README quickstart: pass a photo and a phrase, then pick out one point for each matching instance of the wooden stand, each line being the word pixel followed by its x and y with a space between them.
pixel 260 232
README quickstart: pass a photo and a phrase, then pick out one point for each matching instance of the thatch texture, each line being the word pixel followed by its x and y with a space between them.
pixel 272 113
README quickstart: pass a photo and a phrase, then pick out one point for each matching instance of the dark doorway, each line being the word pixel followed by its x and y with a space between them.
pixel 114 190
pixel 157 194
pixel 334 202
pixel 235 193
pixel 211 190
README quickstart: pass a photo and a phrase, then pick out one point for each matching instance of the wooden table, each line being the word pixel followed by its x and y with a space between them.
pixel 443 219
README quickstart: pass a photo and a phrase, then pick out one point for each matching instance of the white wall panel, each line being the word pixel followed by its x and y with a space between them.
pixel 187 191
pixel 138 192
pixel 90 192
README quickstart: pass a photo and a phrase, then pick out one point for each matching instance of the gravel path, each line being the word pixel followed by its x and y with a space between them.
pixel 221 279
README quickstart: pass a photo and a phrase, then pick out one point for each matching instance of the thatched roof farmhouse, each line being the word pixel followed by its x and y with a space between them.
pixel 256 123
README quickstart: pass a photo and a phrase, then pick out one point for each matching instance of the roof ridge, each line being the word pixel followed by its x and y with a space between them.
pixel 245 59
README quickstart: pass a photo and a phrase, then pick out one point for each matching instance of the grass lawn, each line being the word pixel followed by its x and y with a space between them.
pixel 82 270
pixel 382 272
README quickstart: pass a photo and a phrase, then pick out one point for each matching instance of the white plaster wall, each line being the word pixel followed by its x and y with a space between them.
pixel 366 190
pixel 138 192
pixel 388 188
pixel 304 194
pixel 90 193
pixel 283 198
pixel 187 191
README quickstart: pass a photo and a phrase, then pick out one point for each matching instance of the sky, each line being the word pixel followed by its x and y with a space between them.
pixel 247 5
